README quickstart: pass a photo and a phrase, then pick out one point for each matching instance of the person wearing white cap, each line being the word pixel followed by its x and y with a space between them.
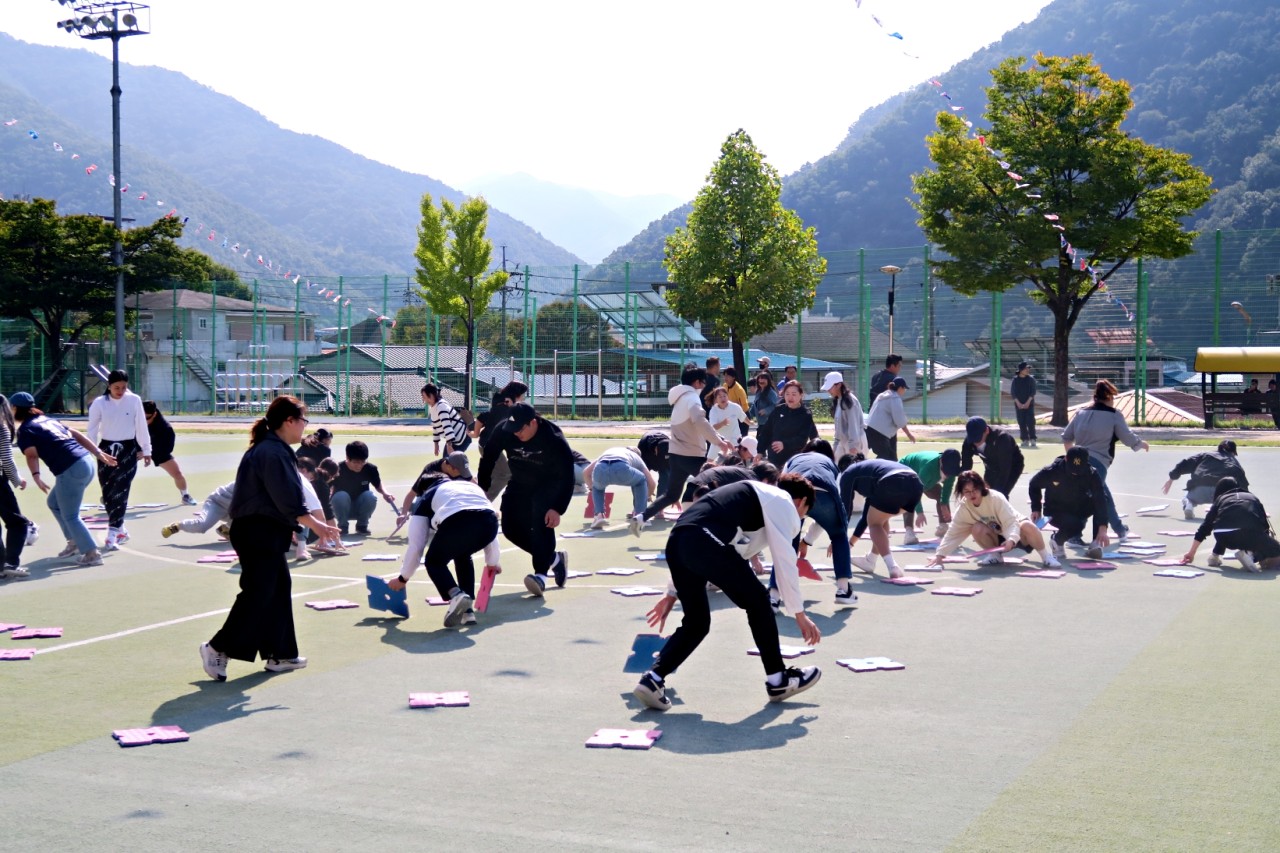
pixel 749 449
pixel 851 434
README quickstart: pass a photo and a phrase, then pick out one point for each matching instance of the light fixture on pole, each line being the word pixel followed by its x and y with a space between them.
pixel 892 271
pixel 1248 322
pixel 112 20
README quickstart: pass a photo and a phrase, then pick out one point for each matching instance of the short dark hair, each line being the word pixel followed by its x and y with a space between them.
pixel 798 487
pixel 849 459
pixel 692 375
pixel 765 472
pixel 358 451
pixel 713 361
pixel 328 467
pixel 306 465
pixel 821 445
pixel 729 371
pixel 971 478
pixel 149 407
pixel 430 390
pixel 891 359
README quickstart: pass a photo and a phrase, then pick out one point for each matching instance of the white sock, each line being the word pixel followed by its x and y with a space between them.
pixel 655 677
pixel 774 679
pixel 842 584
pixel 542 578
pixel 889 562
pixel 1044 553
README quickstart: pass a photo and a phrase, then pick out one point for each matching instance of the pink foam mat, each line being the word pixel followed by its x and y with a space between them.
pixel 453 699
pixel 788 652
pixel 871 664
pixel 35 633
pixel 17 654
pixel 148 736
pixel 623 738
pixel 10 626
pixel 907 580
pixel 959 591
pixel 334 604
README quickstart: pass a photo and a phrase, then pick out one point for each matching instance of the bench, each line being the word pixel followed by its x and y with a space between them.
pixel 1238 403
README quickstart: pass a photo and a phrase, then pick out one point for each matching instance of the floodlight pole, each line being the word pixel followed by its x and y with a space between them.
pixel 892 271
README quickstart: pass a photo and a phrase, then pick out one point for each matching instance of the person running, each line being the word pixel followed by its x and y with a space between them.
pixel 446 422
pixel 1097 428
pixel 690 433
pixel 816 465
pixel 846 411
pixel 67 452
pixel 1237 519
pixel 317 447
pixel 266 507
pixel 118 426
pixel 886 417
pixel 356 490
pixel 19 531
pixel 213 512
pixel 1207 470
pixel 789 428
pixel 1000 455
pixel 619 466
pixel 727 419
pixel 937 472
pixel 1023 390
pixel 457 519
pixel 1073 494
pixel 890 489
pixel 163 439
pixel 701 549
pixel 539 492
pixel 991 520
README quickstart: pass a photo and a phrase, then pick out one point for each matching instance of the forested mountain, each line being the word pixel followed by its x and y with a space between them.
pixel 313 205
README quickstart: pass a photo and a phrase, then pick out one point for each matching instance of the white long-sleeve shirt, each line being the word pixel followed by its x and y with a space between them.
pixel 8 469
pixel 447 499
pixel 119 420
pixel 995 511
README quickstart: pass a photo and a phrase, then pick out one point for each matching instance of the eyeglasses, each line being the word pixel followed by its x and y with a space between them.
pixel 304 420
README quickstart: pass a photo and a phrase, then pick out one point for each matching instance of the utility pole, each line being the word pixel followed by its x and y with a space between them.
pixel 506 288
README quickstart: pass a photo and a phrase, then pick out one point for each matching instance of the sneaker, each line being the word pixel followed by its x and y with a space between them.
pixel 1124 534
pixel 941 530
pixel 1076 542
pixel 14 573
pixel 911 538
pixel 1034 446
pixel 302 553
pixel 535 585
pixel 110 544
pixel 1214 561
pixel 458 605
pixel 1051 562
pixel 990 560
pixel 122 537
pixel 1246 561
pixel 1188 509
pixel 652 693
pixel 1093 552
pixel 469 618
pixel 286 664
pixel 846 598
pixel 33 533
pixel 636 524
pixel 599 522
pixel 793 681
pixel 90 559
pixel 1057 549
pixel 68 551
pixel 168 530
pixel 1024 443
pixel 863 564
pixel 775 604
pixel 224 530
pixel 362 530
pixel 561 570
pixel 187 500
pixel 215 662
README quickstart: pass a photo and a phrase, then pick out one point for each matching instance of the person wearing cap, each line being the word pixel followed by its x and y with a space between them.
pixel 1072 494
pixel 118 425
pixel 356 489
pixel 932 467
pixel 749 449
pixel 886 417
pixel 1097 428
pixel 1237 519
pixel 67 452
pixel 317 447
pixel 455 466
pixel 815 464
pixel 999 453
pixel 850 431
pixel 1023 390
pixel 539 492
pixel 619 466
pixel 1206 470
pixel 881 381
pixel 991 520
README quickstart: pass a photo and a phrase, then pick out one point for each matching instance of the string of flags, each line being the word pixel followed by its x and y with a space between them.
pixel 1079 259
pixel 270 267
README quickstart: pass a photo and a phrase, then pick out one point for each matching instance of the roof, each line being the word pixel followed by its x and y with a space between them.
pixel 163 300
pixel 1238 359
pixel 646 315
pixel 1162 407
pixel 699 357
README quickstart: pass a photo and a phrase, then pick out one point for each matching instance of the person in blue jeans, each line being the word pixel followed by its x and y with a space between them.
pixel 816 464
pixel 69 454
pixel 1097 428
pixel 356 490
pixel 619 466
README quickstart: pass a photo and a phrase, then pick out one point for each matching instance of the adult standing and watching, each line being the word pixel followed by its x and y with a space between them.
pixel 846 410
pixel 766 400
pixel 445 421
pixel 886 417
pixel 999 454
pixel 266 508
pixel 882 380
pixel 118 425
pixel 1023 391
pixel 790 427
pixel 1097 428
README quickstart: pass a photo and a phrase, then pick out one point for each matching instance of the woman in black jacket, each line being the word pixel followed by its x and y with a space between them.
pixel 788 428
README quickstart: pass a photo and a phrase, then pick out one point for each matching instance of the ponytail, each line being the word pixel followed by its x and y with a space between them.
pixel 281 409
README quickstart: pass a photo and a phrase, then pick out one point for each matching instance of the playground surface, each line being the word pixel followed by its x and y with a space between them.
pixel 1111 710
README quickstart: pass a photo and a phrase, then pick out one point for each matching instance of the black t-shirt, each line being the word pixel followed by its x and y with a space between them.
pixel 356 483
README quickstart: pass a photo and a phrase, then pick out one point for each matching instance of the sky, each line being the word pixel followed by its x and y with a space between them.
pixel 626 98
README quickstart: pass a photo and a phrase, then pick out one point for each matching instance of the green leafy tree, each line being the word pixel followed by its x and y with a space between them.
pixel 744 263
pixel 1056 125
pixel 454 258
pixel 556 329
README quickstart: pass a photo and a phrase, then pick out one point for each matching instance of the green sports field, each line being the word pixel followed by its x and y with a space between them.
pixel 1112 711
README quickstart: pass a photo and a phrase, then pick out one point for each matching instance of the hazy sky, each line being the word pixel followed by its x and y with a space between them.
pixel 630 98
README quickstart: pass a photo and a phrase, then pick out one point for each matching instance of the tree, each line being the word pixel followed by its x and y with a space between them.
pixel 556 329
pixel 453 265
pixel 56 271
pixel 1055 125
pixel 744 263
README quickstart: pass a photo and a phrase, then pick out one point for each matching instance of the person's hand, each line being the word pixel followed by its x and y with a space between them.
pixel 552 518
pixel 935 560
pixel 1186 558
pixel 808 630
pixel 106 459
pixel 395 584
pixel 497 570
pixel 719 424
pixel 920 521
pixel 328 531
pixel 829 549
pixel 44 487
pixel 1167 484
pixel 725 447
pixel 776 446
pixel 1035 516
pixel 389 499
pixel 1142 445
pixel 22 484
pixel 657 617
pixel 803 550
pixel 146 460
pixel 1008 546
pixel 436 447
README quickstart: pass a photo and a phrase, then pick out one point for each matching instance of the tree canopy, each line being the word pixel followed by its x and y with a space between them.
pixel 1054 193
pixel 744 263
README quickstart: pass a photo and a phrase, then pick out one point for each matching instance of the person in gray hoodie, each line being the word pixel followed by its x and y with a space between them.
pixel 690 434
pixel 1097 428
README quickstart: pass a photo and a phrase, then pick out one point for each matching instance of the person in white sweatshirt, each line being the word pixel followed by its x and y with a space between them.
pixel 991 520
pixel 690 434
pixel 118 425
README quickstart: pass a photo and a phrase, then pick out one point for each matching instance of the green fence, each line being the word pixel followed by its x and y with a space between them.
pixel 599 341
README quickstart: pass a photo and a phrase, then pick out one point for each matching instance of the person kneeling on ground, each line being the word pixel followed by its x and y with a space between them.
pixel 701 550
pixel 1073 493
pixel 988 516
pixel 1206 470
pixel 1237 520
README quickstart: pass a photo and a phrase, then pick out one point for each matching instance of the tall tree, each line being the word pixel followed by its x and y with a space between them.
pixel 453 272
pixel 1054 148
pixel 744 263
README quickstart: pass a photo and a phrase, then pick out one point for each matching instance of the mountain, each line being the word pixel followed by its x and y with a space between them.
pixel 590 223
pixel 310 204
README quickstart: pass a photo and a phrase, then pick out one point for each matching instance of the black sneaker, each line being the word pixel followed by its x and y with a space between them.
pixel 651 693
pixel 535 585
pixel 362 530
pixel 561 571
pixel 793 681
pixel 846 598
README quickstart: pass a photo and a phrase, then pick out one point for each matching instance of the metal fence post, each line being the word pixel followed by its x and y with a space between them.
pixel 573 369
pixel 997 321
pixel 927 325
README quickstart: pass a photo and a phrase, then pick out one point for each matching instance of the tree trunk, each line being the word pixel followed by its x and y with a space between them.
pixel 471 343
pixel 739 358
pixel 1061 333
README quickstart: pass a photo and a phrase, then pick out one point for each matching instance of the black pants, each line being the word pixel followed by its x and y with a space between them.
pixel 524 512
pixel 261 619
pixel 1257 542
pixel 118 480
pixel 883 446
pixel 1069 527
pixel 1026 422
pixel 15 526
pixel 695 558
pixel 457 538
pixel 679 468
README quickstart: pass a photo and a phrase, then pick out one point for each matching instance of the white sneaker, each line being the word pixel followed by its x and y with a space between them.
pixel 636 524
pixel 301 552
pixel 990 560
pixel 941 530
pixel 1093 552
pixel 1051 562
pixel 793 681
pixel 599 522
pixel 215 662
pixel 33 533
pixel 110 544
pixel 775 604
pixel 458 606
pixel 910 538
pixel 1214 561
pixel 14 573
pixel 1188 508
pixel 286 664
pixel 1057 549
pixel 864 564
pixel 846 598
pixel 122 537
pixel 1247 561
pixel 187 500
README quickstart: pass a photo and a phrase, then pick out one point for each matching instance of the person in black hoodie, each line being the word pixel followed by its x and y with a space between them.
pixel 789 428
pixel 487 422
pixel 539 492
pixel 163 439
pixel 1072 494
pixel 1206 470
pixel 998 451
pixel 1237 519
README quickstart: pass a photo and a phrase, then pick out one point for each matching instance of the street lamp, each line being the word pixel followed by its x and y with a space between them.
pixel 1248 322
pixel 892 272
pixel 115 19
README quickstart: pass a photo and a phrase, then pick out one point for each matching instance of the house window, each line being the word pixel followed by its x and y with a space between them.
pixel 203 323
